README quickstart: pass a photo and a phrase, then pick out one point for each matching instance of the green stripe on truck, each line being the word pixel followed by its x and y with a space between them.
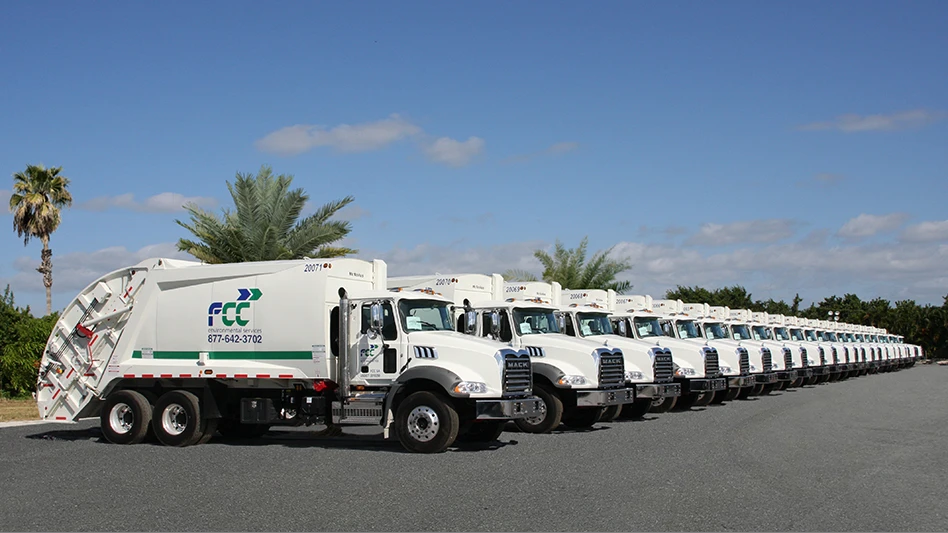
pixel 137 354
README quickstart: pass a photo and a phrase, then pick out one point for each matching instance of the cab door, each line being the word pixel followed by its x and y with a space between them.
pixel 380 354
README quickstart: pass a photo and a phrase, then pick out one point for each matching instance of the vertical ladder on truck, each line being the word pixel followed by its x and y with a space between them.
pixel 82 342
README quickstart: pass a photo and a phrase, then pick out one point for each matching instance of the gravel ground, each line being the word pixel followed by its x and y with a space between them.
pixel 866 454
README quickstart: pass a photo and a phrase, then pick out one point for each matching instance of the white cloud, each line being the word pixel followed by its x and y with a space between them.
pixel 554 149
pixel 927 232
pixel 362 137
pixel 166 202
pixel 429 258
pixel 868 225
pixel 750 231
pixel 851 123
pixel 454 153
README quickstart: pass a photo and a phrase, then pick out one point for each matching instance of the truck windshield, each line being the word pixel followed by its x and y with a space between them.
pixel 646 326
pixel 781 334
pixel 715 331
pixel 761 333
pixel 425 315
pixel 831 336
pixel 591 324
pixel 821 335
pixel 797 335
pixel 811 336
pixel 740 332
pixel 530 321
pixel 687 329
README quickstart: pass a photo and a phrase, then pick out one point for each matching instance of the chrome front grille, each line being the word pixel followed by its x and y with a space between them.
pixel 611 370
pixel 518 373
pixel 767 359
pixel 711 365
pixel 745 361
pixel 803 357
pixel 787 359
pixel 822 357
pixel 846 353
pixel 663 366
pixel 835 356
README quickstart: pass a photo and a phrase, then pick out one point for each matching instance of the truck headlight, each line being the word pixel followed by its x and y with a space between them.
pixel 470 387
pixel 811 362
pixel 572 381
pixel 726 370
pixel 753 368
pixel 685 371
pixel 634 376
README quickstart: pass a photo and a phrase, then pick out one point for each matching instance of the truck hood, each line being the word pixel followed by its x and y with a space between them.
pixel 684 353
pixel 456 341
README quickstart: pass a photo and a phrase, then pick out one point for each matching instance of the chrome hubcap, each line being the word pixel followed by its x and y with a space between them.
pixel 121 418
pixel 174 419
pixel 536 420
pixel 423 423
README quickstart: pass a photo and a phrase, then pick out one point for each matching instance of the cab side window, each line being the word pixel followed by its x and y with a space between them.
pixel 505 334
pixel 334 331
pixel 570 330
pixel 389 331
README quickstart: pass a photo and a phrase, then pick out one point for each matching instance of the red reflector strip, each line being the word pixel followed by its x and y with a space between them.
pixel 185 375
pixel 240 375
pixel 47 384
pixel 263 375
pixel 71 370
pixel 89 375
pixel 286 375
pixel 222 375
pixel 55 394
pixel 148 375
pixel 60 418
pixel 128 376
pixel 167 376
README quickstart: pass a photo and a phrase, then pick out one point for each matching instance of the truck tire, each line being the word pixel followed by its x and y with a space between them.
pixel 745 392
pixel 704 399
pixel 177 419
pixel 719 397
pixel 663 405
pixel 425 423
pixel 233 429
pixel 582 417
pixel 125 417
pixel 553 412
pixel 783 385
pixel 635 410
pixel 768 388
pixel 487 431
pixel 210 430
pixel 609 414
pixel 732 394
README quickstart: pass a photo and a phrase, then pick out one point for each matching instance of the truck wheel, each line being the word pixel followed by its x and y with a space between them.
pixel 125 417
pixel 768 388
pixel 719 397
pixel 663 405
pixel 582 417
pixel 210 430
pixel 732 394
pixel 177 419
pixel 635 410
pixel 783 385
pixel 745 392
pixel 425 423
pixel 551 410
pixel 487 431
pixel 704 399
pixel 798 382
pixel 609 414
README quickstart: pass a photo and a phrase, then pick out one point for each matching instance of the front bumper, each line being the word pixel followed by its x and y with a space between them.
pixel 786 375
pixel 820 370
pixel 765 379
pixel 508 408
pixel 657 390
pixel 739 382
pixel 805 372
pixel 844 367
pixel 706 385
pixel 601 398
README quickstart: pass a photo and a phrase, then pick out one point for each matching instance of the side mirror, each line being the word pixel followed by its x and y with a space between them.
pixel 561 322
pixel 470 321
pixel 375 317
pixel 495 324
pixel 623 328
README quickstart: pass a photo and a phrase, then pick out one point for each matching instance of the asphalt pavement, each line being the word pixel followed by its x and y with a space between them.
pixel 867 454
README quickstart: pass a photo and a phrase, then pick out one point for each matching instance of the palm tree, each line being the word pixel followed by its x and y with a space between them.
pixel 265 224
pixel 570 269
pixel 39 194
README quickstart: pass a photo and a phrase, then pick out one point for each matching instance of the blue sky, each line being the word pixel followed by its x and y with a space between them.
pixel 789 147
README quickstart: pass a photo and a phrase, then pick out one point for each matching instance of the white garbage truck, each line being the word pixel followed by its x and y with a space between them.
pixel 782 355
pixel 693 322
pixel 798 354
pixel 697 366
pixel 649 367
pixel 575 380
pixel 187 349
pixel 815 354
pixel 764 364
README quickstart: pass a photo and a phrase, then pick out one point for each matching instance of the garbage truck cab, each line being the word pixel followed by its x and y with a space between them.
pixel 815 354
pixel 781 355
pixel 798 354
